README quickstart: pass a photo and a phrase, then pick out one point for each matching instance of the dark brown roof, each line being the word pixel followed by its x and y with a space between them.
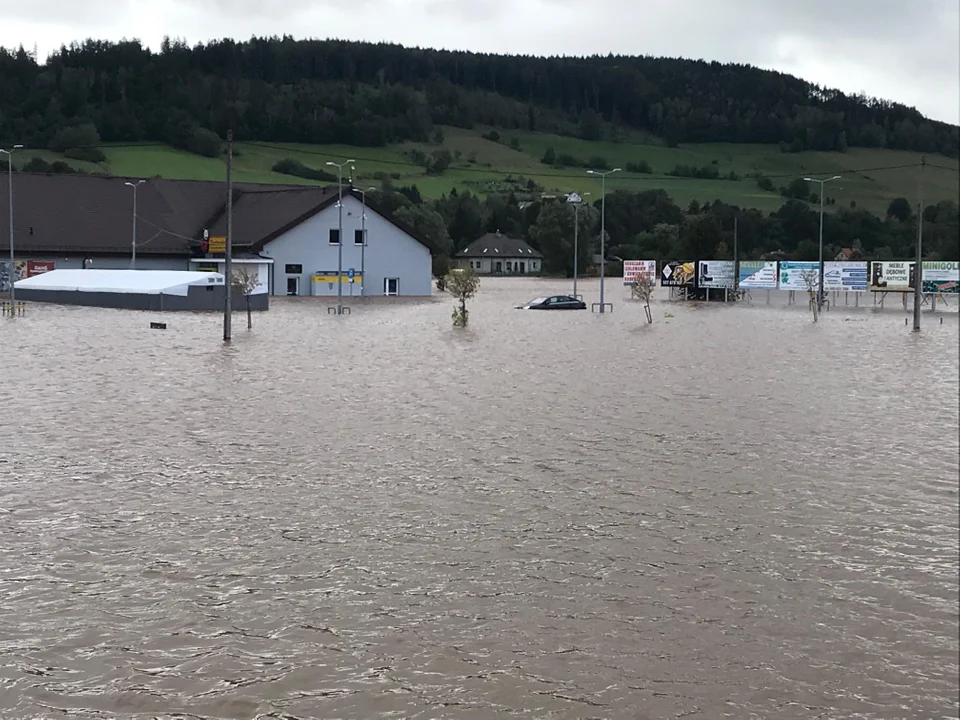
pixel 497 245
pixel 92 214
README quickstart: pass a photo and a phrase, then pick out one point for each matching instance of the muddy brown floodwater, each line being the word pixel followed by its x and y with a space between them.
pixel 732 513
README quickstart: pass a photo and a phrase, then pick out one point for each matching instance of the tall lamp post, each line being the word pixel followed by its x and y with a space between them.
pixel 820 286
pixel 575 200
pixel 340 167
pixel 133 246
pixel 12 272
pixel 363 235
pixel 603 224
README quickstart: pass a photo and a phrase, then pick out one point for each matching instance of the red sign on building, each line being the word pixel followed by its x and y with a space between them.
pixel 37 267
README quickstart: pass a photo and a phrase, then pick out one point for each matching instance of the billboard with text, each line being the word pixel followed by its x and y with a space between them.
pixel 715 274
pixel 941 277
pixel 799 275
pixel 632 269
pixel 758 274
pixel 845 275
pixel 891 276
pixel 678 274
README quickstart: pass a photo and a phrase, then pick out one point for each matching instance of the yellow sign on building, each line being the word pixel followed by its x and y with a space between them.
pixel 332 278
pixel 217 244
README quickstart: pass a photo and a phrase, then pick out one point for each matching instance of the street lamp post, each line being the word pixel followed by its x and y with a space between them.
pixel 363 235
pixel 575 200
pixel 820 286
pixel 11 272
pixel 603 224
pixel 340 167
pixel 133 246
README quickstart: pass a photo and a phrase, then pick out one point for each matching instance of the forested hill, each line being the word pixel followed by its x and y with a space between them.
pixel 284 90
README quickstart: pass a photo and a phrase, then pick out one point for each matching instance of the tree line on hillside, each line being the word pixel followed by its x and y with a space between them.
pixel 648 225
pixel 284 90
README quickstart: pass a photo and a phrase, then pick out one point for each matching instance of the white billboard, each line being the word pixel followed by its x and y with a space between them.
pixel 758 274
pixel 941 277
pixel 715 273
pixel 845 275
pixel 632 269
pixel 794 275
pixel 895 276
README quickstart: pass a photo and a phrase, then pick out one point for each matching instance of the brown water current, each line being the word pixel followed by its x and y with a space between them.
pixel 731 513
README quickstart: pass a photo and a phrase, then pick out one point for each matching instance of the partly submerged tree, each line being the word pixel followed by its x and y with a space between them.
pixel 463 284
pixel 244 283
pixel 811 278
pixel 642 289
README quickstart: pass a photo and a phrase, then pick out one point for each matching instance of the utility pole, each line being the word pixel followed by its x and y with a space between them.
pixel 575 200
pixel 823 184
pixel 918 268
pixel 363 233
pixel 12 272
pixel 603 226
pixel 133 245
pixel 340 167
pixel 736 258
pixel 228 245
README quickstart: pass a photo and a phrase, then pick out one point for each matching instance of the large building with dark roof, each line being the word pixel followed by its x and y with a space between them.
pixel 286 233
pixel 497 254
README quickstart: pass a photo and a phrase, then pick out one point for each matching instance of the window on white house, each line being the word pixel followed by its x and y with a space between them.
pixel 359 237
pixel 391 286
pixel 334 236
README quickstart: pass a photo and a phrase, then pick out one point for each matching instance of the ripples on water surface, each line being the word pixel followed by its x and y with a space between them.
pixel 731 513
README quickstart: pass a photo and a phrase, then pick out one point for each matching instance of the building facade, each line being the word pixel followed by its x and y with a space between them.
pixel 285 235
pixel 378 259
pixel 497 254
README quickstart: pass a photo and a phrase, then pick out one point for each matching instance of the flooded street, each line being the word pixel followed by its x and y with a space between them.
pixel 731 513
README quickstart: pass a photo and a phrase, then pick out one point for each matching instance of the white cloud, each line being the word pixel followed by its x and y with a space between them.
pixel 902 50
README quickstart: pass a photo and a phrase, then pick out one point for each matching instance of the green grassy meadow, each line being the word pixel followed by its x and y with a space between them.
pixel 483 166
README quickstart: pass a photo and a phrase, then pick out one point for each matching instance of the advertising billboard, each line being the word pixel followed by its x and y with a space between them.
pixel 849 276
pixel 941 277
pixel 794 275
pixel 632 269
pixel 893 276
pixel 758 274
pixel 715 273
pixel 677 274
pixel 38 267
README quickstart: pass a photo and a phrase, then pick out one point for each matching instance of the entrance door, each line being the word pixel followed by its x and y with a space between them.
pixel 293 286
pixel 391 286
pixel 523 267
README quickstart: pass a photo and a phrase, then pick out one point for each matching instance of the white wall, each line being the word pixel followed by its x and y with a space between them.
pixel 261 269
pixel 390 253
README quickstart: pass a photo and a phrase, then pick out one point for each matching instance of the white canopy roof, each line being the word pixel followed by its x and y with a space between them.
pixel 141 282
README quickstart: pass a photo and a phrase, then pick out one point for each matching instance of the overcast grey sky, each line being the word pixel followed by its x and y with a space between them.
pixel 902 50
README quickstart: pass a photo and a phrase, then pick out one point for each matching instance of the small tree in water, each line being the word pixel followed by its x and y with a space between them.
pixel 812 279
pixel 245 282
pixel 463 284
pixel 642 289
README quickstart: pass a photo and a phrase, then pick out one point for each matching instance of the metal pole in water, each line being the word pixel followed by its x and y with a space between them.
pixel 12 273
pixel 918 268
pixel 228 249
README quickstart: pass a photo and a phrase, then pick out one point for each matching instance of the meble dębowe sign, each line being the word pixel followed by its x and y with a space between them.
pixel 892 276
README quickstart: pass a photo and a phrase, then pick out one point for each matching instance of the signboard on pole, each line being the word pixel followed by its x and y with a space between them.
pixel 715 274
pixel 758 274
pixel 941 277
pixel 896 276
pixel 217 244
pixel 794 275
pixel 844 275
pixel 632 269
pixel 677 274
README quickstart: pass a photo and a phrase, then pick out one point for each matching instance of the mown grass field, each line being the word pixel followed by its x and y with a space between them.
pixel 870 178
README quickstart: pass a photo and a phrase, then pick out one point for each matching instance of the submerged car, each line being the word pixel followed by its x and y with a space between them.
pixel 554 302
